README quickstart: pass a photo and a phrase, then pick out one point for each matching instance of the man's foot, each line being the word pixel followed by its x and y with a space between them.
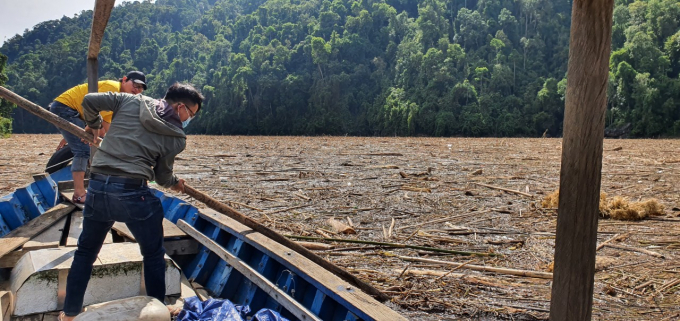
pixel 64 317
pixel 174 311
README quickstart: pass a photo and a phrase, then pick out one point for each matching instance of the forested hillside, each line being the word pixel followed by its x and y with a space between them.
pixel 369 67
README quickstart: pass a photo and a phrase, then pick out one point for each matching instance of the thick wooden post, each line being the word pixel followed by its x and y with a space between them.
pixel 589 51
pixel 100 18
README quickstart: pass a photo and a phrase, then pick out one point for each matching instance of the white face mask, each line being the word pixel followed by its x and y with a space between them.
pixel 188 120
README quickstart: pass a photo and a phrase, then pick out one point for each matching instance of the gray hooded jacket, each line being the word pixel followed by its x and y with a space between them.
pixel 139 144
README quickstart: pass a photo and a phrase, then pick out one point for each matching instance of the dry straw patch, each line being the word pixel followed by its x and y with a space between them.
pixel 618 208
pixel 552 200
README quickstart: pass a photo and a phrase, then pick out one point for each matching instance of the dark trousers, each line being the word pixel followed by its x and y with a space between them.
pixel 141 211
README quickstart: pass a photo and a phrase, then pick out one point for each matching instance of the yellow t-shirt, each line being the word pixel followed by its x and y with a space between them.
pixel 74 97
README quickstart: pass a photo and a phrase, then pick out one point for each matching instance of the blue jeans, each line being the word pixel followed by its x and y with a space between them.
pixel 81 151
pixel 142 212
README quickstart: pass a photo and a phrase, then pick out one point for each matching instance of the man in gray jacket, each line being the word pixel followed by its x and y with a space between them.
pixel 145 136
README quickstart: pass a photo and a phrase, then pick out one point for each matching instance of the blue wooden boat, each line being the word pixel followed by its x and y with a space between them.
pixel 26 203
pixel 231 261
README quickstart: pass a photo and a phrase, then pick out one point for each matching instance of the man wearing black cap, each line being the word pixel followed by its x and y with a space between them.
pixel 69 107
pixel 136 77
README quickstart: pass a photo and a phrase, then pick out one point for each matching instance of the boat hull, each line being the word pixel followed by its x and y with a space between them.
pixel 232 261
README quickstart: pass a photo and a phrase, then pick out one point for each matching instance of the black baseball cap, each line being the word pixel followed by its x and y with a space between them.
pixel 138 77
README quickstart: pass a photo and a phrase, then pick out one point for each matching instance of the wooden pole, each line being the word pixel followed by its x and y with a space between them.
pixel 44 114
pixel 100 18
pixel 102 11
pixel 580 176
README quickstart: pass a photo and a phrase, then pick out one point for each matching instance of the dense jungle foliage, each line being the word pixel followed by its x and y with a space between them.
pixel 5 107
pixel 366 67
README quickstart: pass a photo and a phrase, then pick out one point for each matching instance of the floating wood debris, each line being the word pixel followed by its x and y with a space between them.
pixel 503 165
pixel 394 245
pixel 504 189
pixel 341 227
pixel 526 273
pixel 315 246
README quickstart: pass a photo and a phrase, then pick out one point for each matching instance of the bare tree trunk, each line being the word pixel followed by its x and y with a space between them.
pixel 514 73
pixel 580 177
pixel 526 25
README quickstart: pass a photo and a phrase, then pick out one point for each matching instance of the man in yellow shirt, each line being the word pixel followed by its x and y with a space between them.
pixel 69 107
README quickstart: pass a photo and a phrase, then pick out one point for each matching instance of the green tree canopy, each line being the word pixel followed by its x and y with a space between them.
pixel 381 67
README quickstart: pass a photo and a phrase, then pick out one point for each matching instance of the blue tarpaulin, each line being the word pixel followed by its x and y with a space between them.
pixel 214 309
pixel 269 315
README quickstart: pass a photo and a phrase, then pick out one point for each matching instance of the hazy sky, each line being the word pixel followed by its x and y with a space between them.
pixel 19 15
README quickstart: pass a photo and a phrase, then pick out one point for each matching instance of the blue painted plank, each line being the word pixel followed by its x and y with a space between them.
pixel 350 317
pixel 323 305
pixel 219 277
pixel 200 267
pixel 30 205
pixel 256 297
pixel 12 211
pixel 224 275
pixel 62 175
pixel 48 189
pixel 30 201
pixel 178 212
pixel 334 297
pixel 4 229
pixel 166 201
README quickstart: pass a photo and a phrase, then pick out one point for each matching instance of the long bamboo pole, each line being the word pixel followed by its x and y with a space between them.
pixel 207 200
pixel 44 114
